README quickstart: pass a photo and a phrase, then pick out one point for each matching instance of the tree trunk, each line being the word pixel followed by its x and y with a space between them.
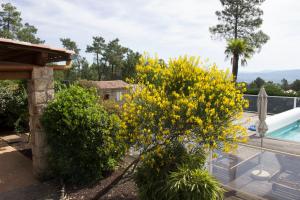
pixel 235 66
pixel 112 72
pixel 236 22
pixel 99 68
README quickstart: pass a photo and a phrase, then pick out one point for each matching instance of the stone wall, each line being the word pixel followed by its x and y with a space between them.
pixel 40 91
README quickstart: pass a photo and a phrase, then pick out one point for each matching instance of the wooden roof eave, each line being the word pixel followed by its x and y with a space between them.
pixel 14 67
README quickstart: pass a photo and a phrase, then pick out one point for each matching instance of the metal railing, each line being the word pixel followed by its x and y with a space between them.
pixel 276 104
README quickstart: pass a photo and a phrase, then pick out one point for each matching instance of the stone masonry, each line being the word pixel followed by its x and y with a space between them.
pixel 40 91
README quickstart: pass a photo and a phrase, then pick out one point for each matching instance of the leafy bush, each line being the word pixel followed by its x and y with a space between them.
pixel 83 138
pixel 253 91
pixel 272 89
pixel 111 106
pixel 60 85
pixel 192 184
pixel 13 105
pixel 160 175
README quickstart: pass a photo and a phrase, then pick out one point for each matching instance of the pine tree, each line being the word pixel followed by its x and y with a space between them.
pixel 115 55
pixel 75 72
pixel 11 25
pixel 97 48
pixel 240 19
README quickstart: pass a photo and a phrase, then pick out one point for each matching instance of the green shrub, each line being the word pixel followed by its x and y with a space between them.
pixel 111 107
pixel 14 106
pixel 59 85
pixel 193 184
pixel 83 138
pixel 272 89
pixel 159 177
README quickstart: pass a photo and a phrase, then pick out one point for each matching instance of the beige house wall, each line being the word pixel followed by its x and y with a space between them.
pixel 113 93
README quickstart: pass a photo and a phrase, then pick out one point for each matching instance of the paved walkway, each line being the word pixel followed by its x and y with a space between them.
pixel 16 176
pixel 15 170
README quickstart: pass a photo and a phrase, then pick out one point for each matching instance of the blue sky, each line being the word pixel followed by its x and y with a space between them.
pixel 167 27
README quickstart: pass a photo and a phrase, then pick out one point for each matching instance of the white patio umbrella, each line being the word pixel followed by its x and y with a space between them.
pixel 262 128
pixel 262 106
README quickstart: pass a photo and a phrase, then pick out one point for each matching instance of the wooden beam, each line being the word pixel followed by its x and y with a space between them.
pixel 58 67
pixel 15 67
pixel 12 55
pixel 11 66
pixel 41 59
pixel 15 75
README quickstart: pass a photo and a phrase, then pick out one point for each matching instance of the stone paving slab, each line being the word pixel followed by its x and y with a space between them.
pixel 15 170
pixel 11 138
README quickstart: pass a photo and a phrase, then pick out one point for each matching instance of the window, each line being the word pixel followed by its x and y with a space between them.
pixel 106 97
pixel 118 95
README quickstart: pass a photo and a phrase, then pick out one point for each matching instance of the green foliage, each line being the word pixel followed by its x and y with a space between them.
pixel 114 54
pixel 239 47
pixel 78 62
pixel 83 138
pixel 272 89
pixel 112 107
pixel 158 176
pixel 296 85
pixel 13 105
pixel 113 61
pixel 253 91
pixel 193 184
pixel 97 48
pixel 240 21
pixel 257 83
pixel 129 69
pixel 11 25
pixel 59 85
pixel 285 84
pixel 240 51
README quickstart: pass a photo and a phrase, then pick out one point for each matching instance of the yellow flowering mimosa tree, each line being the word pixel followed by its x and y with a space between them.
pixel 185 102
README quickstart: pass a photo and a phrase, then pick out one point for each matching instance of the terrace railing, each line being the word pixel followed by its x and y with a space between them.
pixel 276 104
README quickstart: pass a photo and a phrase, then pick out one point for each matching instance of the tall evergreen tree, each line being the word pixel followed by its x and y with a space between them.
pixel 284 84
pixel 11 25
pixel 78 61
pixel 10 20
pixel 97 48
pixel 114 55
pixel 132 59
pixel 85 69
pixel 240 19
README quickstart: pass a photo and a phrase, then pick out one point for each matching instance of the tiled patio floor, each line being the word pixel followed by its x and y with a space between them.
pixel 234 170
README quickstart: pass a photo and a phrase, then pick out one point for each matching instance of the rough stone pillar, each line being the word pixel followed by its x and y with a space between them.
pixel 40 91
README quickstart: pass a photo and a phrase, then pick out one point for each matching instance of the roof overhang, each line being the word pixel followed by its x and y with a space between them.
pixel 17 59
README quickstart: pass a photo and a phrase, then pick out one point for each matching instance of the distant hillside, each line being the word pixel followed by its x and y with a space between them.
pixel 275 76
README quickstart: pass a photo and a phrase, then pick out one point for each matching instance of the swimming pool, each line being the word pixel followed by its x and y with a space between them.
pixel 289 132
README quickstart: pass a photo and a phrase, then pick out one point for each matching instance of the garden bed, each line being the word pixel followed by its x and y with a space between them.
pixel 125 189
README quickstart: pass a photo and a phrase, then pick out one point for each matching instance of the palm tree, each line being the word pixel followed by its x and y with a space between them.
pixel 239 50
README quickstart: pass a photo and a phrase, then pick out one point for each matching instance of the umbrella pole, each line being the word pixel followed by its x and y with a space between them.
pixel 261 151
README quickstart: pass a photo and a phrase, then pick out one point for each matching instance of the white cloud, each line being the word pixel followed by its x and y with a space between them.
pixel 169 28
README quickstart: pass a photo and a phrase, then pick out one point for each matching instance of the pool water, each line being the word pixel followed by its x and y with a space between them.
pixel 290 132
